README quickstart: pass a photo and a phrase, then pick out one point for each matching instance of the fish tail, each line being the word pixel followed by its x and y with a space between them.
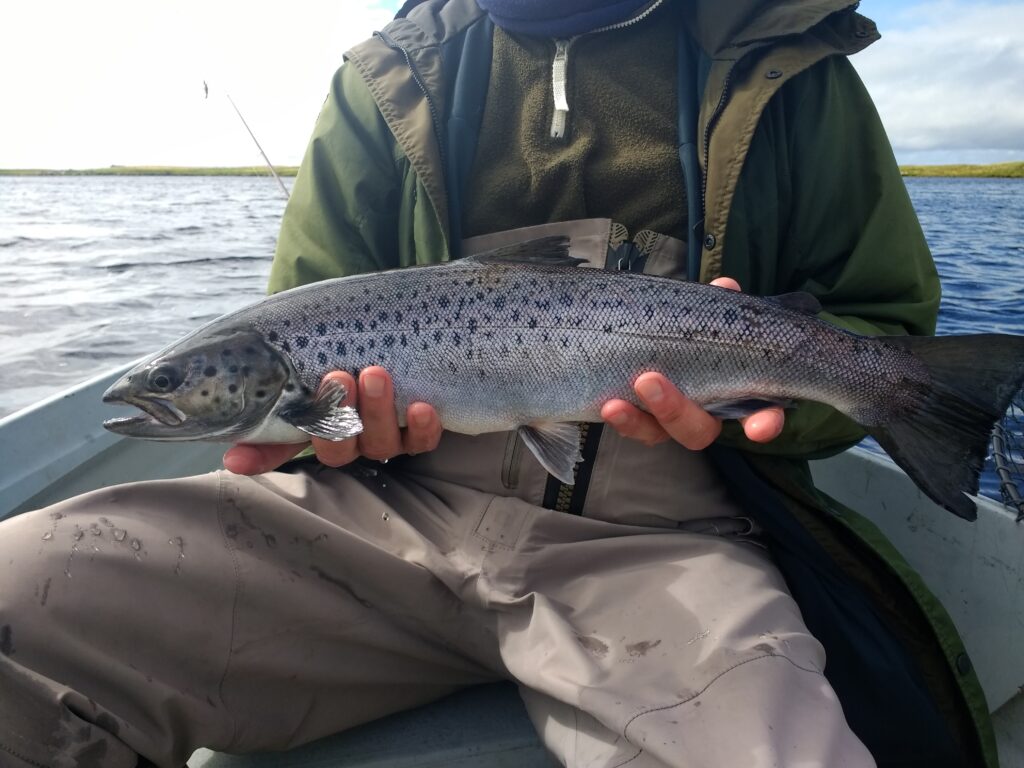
pixel 942 443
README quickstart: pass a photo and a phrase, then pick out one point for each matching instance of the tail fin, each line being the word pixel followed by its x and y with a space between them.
pixel 943 443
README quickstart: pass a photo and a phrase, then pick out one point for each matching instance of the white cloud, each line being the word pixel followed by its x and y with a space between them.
pixel 950 84
pixel 121 81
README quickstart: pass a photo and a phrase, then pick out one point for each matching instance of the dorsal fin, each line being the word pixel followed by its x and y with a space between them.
pixel 798 301
pixel 541 251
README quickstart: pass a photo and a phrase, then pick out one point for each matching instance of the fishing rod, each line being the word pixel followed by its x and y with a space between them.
pixel 273 171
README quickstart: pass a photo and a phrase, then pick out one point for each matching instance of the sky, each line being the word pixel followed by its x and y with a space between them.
pixel 120 82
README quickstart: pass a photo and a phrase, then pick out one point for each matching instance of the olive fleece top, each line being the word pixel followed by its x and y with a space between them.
pixel 618 157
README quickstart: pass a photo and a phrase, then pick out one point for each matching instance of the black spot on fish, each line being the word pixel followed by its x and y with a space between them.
pixel 340 348
pixel 339 323
pixel 532 322
pixel 272 336
pixel 730 315
pixel 437 336
pixel 287 323
pixel 456 338
pixel 205 393
pixel 360 349
pixel 209 371
pixel 373 325
pixel 321 358
pixel 246 370
pixel 286 346
pixel 301 341
pixel 233 369
pixel 473 325
pixel 250 351
pixel 403 340
pixel 287 388
pixel 398 316
pixel 415 326
pixel 371 344
pixel 321 328
pixel 358 325
pixel 382 316
pixel 260 393
pixel 389 340
pixel 232 388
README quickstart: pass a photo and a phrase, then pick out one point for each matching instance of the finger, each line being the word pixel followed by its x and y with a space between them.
pixel 629 421
pixel 685 421
pixel 381 438
pixel 256 459
pixel 726 282
pixel 764 426
pixel 342 452
pixel 424 429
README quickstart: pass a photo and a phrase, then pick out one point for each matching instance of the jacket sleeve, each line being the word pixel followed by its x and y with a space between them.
pixel 821 207
pixel 341 218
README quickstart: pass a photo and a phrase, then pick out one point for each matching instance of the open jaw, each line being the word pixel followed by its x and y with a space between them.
pixel 155 412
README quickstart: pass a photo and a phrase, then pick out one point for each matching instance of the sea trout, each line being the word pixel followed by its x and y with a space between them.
pixel 521 338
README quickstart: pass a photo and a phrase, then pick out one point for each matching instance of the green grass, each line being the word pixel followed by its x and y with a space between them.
pixel 151 170
pixel 992 171
pixel 995 170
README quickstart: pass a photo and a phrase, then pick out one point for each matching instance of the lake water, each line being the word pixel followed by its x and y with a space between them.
pixel 98 271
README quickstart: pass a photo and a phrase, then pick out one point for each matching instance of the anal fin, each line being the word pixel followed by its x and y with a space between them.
pixel 556 446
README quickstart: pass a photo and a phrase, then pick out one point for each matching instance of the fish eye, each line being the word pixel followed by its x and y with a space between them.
pixel 166 378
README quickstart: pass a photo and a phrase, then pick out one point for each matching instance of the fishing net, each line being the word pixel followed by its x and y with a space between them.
pixel 1007 457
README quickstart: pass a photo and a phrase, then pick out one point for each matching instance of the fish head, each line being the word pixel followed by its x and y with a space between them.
pixel 214 384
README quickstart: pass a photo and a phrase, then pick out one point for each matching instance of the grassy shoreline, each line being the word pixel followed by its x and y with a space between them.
pixel 1013 170
pixel 153 170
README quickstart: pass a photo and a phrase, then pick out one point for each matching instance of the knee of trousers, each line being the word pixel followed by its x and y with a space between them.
pixel 91 570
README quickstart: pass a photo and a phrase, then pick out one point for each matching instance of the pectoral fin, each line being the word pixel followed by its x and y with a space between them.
pixel 556 446
pixel 323 417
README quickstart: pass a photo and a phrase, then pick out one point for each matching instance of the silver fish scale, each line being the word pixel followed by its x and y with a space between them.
pixel 494 346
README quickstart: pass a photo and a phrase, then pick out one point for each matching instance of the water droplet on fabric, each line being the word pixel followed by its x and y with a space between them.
pixel 48 535
pixel 78 534
pixel 119 534
pixel 136 544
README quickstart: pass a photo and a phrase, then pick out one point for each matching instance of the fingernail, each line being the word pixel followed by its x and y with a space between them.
pixel 420 418
pixel 373 385
pixel 650 390
pixel 618 418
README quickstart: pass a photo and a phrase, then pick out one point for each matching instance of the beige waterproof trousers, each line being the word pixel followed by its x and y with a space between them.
pixel 247 614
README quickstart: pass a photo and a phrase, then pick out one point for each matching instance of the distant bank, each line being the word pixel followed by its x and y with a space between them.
pixel 992 171
pixel 152 170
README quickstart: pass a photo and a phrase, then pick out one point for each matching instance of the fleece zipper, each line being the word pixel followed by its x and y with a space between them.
pixel 560 68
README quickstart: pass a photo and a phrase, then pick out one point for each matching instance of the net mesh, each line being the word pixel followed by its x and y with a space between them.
pixel 1008 456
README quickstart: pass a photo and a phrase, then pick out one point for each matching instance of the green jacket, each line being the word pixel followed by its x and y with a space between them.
pixel 799 191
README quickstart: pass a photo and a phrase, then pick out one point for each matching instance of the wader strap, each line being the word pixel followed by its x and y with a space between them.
pixel 693 67
pixel 469 92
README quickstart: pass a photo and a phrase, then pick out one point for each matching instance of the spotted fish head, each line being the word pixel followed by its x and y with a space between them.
pixel 214 384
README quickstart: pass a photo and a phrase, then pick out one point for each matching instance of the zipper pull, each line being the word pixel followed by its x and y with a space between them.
pixel 559 71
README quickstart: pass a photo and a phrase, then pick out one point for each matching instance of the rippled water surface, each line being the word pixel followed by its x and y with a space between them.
pixel 98 271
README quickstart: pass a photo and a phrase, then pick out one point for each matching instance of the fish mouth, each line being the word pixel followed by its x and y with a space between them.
pixel 156 412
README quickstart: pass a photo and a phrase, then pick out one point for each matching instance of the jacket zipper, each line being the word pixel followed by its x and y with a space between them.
pixel 435 117
pixel 712 121
pixel 560 68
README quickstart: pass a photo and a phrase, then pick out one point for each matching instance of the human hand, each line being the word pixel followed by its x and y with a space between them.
pixel 381 438
pixel 671 415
